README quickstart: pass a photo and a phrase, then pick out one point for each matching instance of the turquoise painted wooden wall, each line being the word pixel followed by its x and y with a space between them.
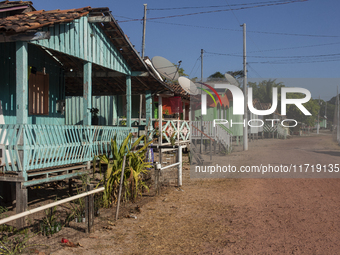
pixel 38 59
pixel 86 41
pixel 134 106
pixel 107 106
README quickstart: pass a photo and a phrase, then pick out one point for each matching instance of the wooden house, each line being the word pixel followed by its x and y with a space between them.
pixel 56 66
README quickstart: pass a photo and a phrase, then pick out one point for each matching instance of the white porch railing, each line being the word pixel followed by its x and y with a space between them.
pixel 219 133
pixel 29 147
pixel 175 131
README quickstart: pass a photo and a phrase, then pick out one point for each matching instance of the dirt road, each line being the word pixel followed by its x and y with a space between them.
pixel 237 216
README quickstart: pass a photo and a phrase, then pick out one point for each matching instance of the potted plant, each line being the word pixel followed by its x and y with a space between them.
pixel 166 114
pixel 94 112
pixel 123 121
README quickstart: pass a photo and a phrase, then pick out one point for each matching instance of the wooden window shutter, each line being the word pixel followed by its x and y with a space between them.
pixel 38 97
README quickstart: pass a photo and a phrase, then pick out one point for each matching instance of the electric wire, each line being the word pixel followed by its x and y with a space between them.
pixel 211 6
pixel 194 66
pixel 236 30
pixel 214 11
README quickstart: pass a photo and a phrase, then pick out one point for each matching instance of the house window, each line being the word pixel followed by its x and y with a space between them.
pixel 38 86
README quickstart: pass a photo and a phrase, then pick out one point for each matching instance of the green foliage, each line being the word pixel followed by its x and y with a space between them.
pixel 123 121
pixel 134 169
pixel 94 111
pixel 50 216
pixel 173 139
pixel 180 71
pixel 236 74
pixel 17 245
pixel 294 113
pixel 264 91
pixel 216 75
pixel 3 209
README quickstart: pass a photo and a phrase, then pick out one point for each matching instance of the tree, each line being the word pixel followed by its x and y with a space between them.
pixel 294 113
pixel 236 74
pixel 216 75
pixel 264 91
pixel 180 71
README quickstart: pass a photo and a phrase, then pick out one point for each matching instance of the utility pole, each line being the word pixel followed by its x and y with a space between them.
pixel 144 26
pixel 318 124
pixel 245 91
pixel 326 115
pixel 337 125
pixel 201 97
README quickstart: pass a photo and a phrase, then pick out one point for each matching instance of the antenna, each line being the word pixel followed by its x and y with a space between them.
pixel 188 85
pixel 167 69
pixel 231 80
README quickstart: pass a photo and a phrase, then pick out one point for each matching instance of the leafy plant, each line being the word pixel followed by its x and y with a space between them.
pixel 50 216
pixel 123 122
pixel 49 224
pixel 17 245
pixel 94 111
pixel 3 209
pixel 173 139
pixel 135 167
pixel 77 208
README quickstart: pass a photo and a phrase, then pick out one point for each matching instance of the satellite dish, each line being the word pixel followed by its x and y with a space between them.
pixel 187 85
pixel 231 79
pixel 167 69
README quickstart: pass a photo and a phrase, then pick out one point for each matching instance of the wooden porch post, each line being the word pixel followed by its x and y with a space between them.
pixel 140 109
pixel 21 112
pixel 160 120
pixel 22 81
pixel 148 110
pixel 128 101
pixel 87 93
pixel 183 111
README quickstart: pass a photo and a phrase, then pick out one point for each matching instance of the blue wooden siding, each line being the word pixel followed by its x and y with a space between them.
pixel 40 60
pixel 107 106
pixel 121 106
pixel 7 82
pixel 85 41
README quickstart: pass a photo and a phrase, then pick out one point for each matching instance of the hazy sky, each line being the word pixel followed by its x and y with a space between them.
pixel 284 38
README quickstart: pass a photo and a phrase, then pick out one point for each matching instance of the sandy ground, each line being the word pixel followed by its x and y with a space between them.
pixel 232 215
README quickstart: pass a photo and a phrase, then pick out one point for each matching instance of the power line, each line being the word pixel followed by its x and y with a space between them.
pixel 250 31
pixel 297 47
pixel 239 30
pixel 296 62
pixel 211 6
pixel 253 70
pixel 249 37
pixel 194 65
pixel 300 56
pixel 224 10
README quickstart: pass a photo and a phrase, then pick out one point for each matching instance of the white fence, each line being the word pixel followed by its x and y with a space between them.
pixel 219 133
